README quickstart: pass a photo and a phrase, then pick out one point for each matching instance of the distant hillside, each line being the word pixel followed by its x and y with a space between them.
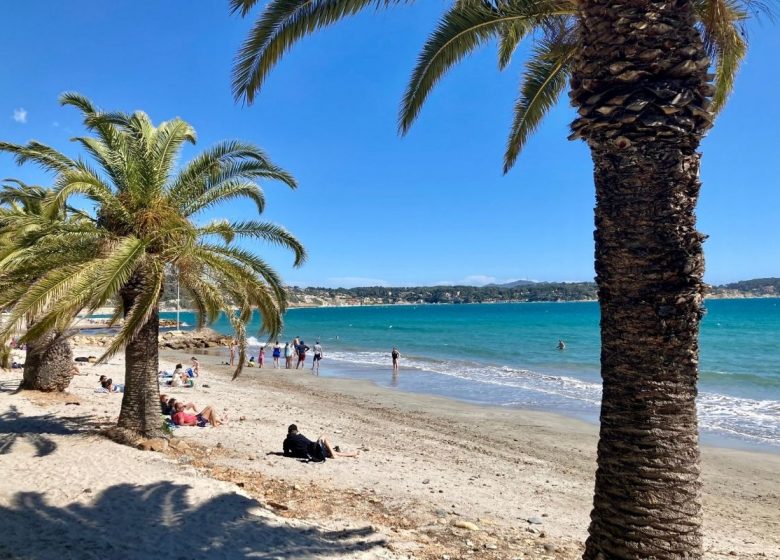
pixel 519 291
pixel 378 295
pixel 514 284
pixel 759 287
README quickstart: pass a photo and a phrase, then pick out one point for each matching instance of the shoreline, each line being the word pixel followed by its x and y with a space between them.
pixel 425 464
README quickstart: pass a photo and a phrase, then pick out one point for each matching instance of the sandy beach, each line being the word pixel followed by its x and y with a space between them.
pixel 435 478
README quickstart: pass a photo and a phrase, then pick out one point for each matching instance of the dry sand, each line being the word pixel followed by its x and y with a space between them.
pixel 435 477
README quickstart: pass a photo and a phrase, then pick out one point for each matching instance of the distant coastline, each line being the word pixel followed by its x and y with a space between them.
pixel 515 292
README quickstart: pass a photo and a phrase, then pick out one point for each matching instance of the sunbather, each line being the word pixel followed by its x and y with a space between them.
pixel 298 445
pixel 202 419
pixel 108 385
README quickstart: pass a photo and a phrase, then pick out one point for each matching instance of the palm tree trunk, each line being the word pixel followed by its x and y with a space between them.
pixel 140 411
pixel 641 87
pixel 648 264
pixel 48 364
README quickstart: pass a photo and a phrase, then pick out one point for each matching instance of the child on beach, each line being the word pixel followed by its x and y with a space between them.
pixel 195 366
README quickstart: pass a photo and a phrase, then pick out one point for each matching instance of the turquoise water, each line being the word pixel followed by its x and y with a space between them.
pixel 505 354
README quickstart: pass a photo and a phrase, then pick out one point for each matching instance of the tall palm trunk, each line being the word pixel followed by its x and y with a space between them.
pixel 48 365
pixel 642 89
pixel 140 411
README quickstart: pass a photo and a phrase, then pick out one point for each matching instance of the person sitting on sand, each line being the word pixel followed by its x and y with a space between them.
pixel 251 362
pixel 182 380
pixel 107 385
pixel 195 367
pixel 202 419
pixel 299 446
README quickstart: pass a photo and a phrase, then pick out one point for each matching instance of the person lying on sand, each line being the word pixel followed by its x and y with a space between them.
pixel 299 446
pixel 168 406
pixel 202 419
pixel 107 386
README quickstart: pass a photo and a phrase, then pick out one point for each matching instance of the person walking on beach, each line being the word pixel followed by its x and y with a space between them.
pixel 395 354
pixel 288 352
pixel 232 350
pixel 315 366
pixel 277 354
pixel 261 358
pixel 301 349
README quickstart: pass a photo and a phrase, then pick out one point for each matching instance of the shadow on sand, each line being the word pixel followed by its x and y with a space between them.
pixel 35 429
pixel 128 522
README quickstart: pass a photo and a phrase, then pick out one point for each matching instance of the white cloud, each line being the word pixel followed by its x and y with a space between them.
pixel 20 115
pixel 479 280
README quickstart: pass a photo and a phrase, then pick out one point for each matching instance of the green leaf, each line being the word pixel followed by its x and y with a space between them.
pixel 545 77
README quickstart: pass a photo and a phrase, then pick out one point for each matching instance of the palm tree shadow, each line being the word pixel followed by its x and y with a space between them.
pixel 128 522
pixel 35 429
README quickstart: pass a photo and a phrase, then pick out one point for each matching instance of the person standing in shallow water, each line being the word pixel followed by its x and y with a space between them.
pixel 288 352
pixel 315 366
pixel 395 354
pixel 561 345
pixel 277 354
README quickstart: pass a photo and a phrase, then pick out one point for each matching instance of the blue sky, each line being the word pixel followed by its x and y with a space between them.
pixel 374 208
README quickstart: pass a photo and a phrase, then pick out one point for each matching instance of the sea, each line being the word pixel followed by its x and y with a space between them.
pixel 506 355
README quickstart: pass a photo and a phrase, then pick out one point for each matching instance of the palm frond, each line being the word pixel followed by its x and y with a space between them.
pixel 118 267
pixel 141 311
pixel 721 22
pixel 270 233
pixel 279 26
pixel 241 6
pixel 545 76
pixel 464 28
pixel 223 192
pixel 44 156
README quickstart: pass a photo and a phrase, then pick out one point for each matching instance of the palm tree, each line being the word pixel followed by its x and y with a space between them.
pixel 144 219
pixel 640 82
pixel 49 359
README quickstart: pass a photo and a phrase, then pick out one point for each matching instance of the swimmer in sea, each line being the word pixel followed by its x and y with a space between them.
pixel 561 345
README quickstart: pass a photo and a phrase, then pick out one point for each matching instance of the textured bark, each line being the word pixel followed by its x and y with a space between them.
pixel 48 364
pixel 140 411
pixel 641 88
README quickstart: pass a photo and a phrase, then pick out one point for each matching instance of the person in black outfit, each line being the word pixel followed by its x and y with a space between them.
pixel 299 446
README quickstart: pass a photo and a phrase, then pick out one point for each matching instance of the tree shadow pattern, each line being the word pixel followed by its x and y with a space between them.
pixel 129 522
pixel 35 429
